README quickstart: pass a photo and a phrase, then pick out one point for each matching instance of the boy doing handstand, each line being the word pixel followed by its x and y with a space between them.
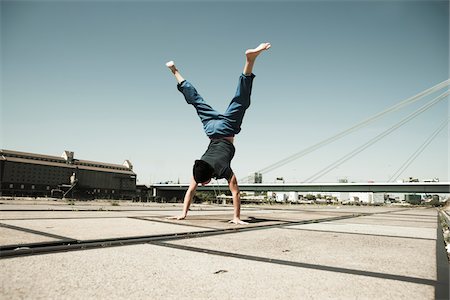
pixel 221 129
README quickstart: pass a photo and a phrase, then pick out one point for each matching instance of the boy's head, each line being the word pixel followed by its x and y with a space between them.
pixel 203 172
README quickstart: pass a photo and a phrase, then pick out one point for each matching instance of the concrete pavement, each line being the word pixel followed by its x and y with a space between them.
pixel 286 252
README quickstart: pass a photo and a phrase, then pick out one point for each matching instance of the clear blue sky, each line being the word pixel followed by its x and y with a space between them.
pixel 89 76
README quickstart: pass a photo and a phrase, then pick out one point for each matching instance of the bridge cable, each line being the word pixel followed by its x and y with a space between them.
pixel 422 147
pixel 376 138
pixel 367 121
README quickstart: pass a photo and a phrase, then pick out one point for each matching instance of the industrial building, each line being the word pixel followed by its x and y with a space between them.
pixel 37 175
pixel 255 177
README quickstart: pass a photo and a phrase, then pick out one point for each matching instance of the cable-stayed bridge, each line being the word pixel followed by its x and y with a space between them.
pixel 404 187
pixel 390 185
pixel 440 87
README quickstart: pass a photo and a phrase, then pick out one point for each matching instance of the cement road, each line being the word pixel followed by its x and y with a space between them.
pixel 286 252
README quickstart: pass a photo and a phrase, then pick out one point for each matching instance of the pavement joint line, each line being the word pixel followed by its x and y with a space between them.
pixel 381 224
pixel 415 215
pixel 80 210
pixel 412 215
pixel 362 233
pixel 401 220
pixel 36 245
pixel 307 211
pixel 413 218
pixel 74 218
pixel 8 251
pixel 27 230
pixel 334 210
pixel 109 210
pixel 300 264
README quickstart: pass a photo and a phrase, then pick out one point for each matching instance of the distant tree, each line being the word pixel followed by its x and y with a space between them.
pixel 310 197
pixel 204 197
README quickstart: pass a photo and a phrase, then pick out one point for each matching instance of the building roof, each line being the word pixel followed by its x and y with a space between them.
pixel 40 159
pixel 7 153
pixel 96 163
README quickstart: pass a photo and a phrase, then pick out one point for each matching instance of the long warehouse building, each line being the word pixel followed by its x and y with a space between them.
pixel 37 175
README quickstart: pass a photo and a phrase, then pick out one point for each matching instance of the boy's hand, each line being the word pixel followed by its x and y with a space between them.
pixel 237 222
pixel 180 217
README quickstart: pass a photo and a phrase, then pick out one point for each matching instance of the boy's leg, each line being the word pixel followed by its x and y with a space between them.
pixel 251 55
pixel 204 110
pixel 175 72
pixel 241 101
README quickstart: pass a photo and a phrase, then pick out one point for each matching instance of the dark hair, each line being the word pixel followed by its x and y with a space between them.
pixel 202 171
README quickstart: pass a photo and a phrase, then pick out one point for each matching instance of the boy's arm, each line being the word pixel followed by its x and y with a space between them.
pixel 187 200
pixel 234 188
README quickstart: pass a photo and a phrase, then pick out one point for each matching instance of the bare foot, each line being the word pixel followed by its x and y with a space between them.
pixel 237 222
pixel 171 66
pixel 253 53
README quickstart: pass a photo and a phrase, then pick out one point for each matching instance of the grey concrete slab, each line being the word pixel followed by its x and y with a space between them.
pixel 157 272
pixel 417 211
pixel 345 209
pixel 393 216
pixel 413 258
pixel 370 229
pixel 14 215
pixel 331 260
pixel 12 237
pixel 76 213
pixel 407 225
pixel 86 229
pixel 408 258
pixel 387 222
pixel 105 205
